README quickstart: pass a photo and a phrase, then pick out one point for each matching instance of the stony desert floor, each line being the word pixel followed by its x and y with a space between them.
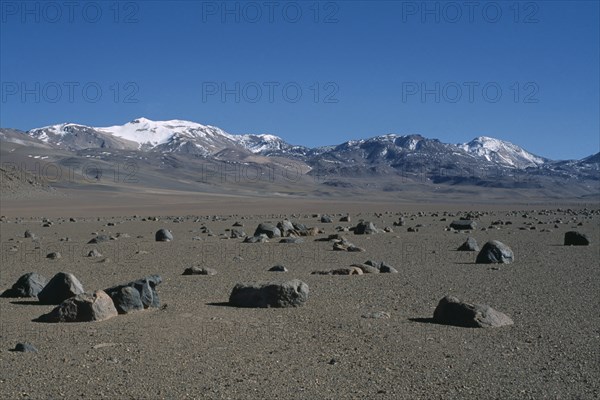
pixel 196 346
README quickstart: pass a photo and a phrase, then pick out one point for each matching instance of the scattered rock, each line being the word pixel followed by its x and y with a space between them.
pixel 340 271
pixel 199 271
pixel 28 285
pixel 61 287
pixel 126 302
pixel 237 234
pixel 99 239
pixel 84 307
pixel 573 238
pixel 54 255
pixel 278 268
pixel 293 293
pixel 451 311
pixel 292 240
pixel 469 245
pixel 94 253
pixel 285 227
pixel 25 348
pixel 163 235
pixel 495 252
pixel 462 225
pixel 326 219
pixel 400 222
pixel 29 234
pixel 387 269
pixel 270 230
pixel 365 228
pixel 366 268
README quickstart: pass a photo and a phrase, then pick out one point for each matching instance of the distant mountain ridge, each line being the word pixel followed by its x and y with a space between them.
pixel 178 135
pixel 482 161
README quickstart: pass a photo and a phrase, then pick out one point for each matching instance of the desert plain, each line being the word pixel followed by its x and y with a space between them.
pixel 196 345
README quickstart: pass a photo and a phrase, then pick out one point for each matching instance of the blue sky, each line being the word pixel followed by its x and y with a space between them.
pixel 314 73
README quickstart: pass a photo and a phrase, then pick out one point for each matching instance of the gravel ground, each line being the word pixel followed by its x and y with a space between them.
pixel 196 346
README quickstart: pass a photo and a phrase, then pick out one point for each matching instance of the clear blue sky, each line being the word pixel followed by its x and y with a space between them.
pixel 378 67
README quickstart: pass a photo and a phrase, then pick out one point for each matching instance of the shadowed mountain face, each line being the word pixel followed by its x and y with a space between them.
pixel 183 151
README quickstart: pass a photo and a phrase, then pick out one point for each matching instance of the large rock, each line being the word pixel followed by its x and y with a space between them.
pixel 163 235
pixel 495 252
pixel 293 293
pixel 469 245
pixel 126 301
pixel 462 225
pixel 365 228
pixel 573 238
pixel 61 287
pixel 268 229
pixel 285 227
pixel 451 311
pixel 28 285
pixel 84 307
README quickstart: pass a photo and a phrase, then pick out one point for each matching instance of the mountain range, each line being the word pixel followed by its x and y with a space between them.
pixel 387 159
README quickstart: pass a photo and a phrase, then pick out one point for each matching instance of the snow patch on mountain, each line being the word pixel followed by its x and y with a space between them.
pixel 153 133
pixel 502 152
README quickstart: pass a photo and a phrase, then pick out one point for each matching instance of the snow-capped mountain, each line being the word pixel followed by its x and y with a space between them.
pixel 501 152
pixel 483 159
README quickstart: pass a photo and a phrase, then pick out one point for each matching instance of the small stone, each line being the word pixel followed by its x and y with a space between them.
pixel 573 238
pixel 469 245
pixel 461 225
pixel 25 348
pixel 199 271
pixel 278 268
pixel 94 253
pixel 365 228
pixel 270 230
pixel 163 235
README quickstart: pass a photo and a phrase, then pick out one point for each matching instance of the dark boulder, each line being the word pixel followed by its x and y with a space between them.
pixel 293 293
pixel 163 235
pixel 469 245
pixel 495 252
pixel 451 311
pixel 146 288
pixel 268 229
pixel 462 225
pixel 573 238
pixel 61 287
pixel 365 228
pixel 28 285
